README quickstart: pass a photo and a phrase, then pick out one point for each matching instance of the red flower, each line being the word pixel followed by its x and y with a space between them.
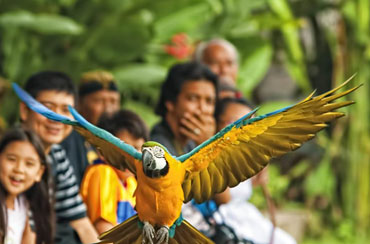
pixel 180 39
pixel 180 48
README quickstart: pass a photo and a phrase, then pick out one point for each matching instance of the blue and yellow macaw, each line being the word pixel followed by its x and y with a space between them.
pixel 165 182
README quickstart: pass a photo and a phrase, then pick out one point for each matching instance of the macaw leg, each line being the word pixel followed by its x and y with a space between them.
pixel 163 234
pixel 148 233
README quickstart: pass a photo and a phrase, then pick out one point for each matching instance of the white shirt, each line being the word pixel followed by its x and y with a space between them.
pixel 242 192
pixel 247 221
pixel 17 218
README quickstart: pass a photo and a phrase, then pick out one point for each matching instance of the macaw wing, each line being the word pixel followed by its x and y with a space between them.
pixel 116 152
pixel 244 148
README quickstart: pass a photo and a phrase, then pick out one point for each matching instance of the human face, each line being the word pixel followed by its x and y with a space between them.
pixel 197 98
pixel 20 167
pixel 93 105
pixel 129 138
pixel 49 131
pixel 233 112
pixel 222 62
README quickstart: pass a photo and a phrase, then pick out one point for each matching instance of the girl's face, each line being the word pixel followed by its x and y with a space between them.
pixel 20 167
pixel 233 112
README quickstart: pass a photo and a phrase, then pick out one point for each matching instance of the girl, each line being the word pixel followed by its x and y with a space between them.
pixel 24 188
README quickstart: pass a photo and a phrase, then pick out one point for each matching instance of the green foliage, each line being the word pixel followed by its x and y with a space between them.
pixel 295 58
pixel 277 186
pixel 345 232
pixel 278 183
pixel 183 20
pixel 128 38
pixel 321 181
pixel 145 111
pixel 272 106
pixel 259 55
pixel 41 23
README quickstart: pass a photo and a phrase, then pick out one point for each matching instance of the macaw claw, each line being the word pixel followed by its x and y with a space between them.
pixel 148 233
pixel 163 234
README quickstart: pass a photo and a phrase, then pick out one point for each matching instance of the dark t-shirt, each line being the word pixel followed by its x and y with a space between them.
pixel 76 150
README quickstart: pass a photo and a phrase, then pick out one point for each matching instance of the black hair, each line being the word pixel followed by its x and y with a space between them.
pixel 177 76
pixel 50 80
pixel 223 103
pixel 94 86
pixel 94 81
pixel 38 196
pixel 226 87
pixel 124 120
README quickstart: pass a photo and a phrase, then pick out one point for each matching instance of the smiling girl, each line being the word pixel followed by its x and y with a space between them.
pixel 24 179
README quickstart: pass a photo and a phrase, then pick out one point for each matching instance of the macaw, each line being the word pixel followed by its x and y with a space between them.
pixel 165 182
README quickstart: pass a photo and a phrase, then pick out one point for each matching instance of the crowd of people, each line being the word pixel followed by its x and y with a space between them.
pixel 57 188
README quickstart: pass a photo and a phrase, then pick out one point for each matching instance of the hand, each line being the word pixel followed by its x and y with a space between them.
pixel 261 178
pixel 223 197
pixel 85 230
pixel 197 127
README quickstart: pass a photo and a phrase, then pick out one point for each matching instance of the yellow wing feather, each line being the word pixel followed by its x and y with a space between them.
pixel 243 152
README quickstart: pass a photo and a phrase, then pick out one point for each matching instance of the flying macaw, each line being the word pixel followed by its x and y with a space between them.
pixel 165 182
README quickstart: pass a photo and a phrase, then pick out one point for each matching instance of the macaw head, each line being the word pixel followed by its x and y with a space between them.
pixel 154 163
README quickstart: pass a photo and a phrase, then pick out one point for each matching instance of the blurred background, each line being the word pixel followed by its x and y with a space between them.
pixel 287 49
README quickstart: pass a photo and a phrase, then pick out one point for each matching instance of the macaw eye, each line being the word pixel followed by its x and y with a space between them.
pixel 158 152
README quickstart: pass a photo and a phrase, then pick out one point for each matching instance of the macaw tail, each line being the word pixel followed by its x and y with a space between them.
pixel 126 232
pixel 186 233
pixel 129 232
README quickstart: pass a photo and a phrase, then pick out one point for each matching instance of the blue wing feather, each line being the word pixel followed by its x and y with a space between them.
pixel 251 120
pixel 238 123
pixel 80 121
pixel 40 108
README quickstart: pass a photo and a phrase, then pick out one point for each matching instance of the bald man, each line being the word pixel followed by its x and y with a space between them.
pixel 221 57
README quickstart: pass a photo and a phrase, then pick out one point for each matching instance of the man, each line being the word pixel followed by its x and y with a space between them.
pixel 56 91
pixel 97 94
pixel 221 57
pixel 186 105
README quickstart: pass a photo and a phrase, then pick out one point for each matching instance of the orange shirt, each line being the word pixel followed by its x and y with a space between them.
pixel 106 195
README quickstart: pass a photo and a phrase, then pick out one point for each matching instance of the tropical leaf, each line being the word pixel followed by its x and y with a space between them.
pixel 129 40
pixel 145 112
pixel 182 20
pixel 256 59
pixel 140 74
pixel 41 23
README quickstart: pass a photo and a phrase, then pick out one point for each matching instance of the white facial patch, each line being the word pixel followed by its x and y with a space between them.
pixel 153 158
pixel 160 163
